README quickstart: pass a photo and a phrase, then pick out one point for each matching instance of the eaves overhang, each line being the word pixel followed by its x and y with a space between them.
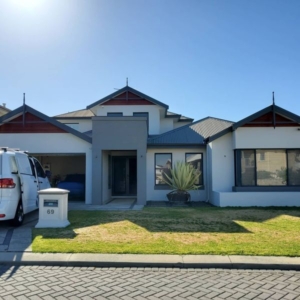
pixel 218 135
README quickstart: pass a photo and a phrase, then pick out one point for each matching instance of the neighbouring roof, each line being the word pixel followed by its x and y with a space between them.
pixel 181 118
pixel 3 110
pixel 131 90
pixel 25 108
pixel 191 134
pixel 82 113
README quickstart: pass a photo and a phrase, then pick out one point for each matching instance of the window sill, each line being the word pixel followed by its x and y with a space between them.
pixel 266 188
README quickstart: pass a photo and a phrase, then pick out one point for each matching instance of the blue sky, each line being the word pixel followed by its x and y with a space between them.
pixel 202 58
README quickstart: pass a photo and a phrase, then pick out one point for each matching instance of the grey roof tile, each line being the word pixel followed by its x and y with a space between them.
pixel 82 113
pixel 191 134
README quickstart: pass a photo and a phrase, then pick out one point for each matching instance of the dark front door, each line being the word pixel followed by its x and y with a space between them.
pixel 124 177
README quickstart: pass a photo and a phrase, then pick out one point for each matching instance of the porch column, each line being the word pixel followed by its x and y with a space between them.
pixel 88 177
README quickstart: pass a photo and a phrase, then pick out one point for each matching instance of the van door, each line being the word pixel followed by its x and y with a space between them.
pixel 41 175
pixel 29 182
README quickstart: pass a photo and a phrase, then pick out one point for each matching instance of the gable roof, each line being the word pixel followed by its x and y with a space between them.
pixel 272 108
pixel 193 134
pixel 25 108
pixel 77 114
pixel 127 89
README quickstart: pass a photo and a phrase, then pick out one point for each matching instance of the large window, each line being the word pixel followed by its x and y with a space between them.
pixel 163 166
pixel 267 167
pixel 195 159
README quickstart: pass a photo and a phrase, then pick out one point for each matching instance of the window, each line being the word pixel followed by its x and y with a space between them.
pixel 32 167
pixel 140 114
pixel 195 159
pixel 115 114
pixel 73 125
pixel 13 164
pixel 163 166
pixel 39 169
pixel 293 161
pixel 272 167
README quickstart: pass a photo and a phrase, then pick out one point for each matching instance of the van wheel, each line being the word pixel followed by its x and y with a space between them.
pixel 19 216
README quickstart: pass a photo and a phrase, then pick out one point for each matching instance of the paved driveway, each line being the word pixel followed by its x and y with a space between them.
pixel 28 282
pixel 17 238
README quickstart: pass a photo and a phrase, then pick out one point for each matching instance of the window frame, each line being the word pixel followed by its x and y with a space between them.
pixel 163 186
pixel 238 170
pixel 201 166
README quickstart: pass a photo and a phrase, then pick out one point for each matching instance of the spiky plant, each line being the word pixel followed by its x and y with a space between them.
pixel 183 177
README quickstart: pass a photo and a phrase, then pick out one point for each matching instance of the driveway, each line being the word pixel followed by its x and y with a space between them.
pixel 17 238
pixel 40 282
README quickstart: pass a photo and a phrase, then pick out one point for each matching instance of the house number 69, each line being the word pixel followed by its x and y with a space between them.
pixel 50 211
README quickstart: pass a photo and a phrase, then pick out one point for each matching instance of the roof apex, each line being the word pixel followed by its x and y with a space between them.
pixel 127 89
pixel 277 109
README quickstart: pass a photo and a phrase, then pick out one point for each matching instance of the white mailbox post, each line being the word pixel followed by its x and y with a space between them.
pixel 53 208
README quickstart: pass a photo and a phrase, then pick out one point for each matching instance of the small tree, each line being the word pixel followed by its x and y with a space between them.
pixel 183 179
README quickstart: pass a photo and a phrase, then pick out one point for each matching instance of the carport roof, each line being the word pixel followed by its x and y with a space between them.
pixel 25 108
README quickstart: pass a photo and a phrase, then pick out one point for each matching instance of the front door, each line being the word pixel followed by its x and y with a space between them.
pixel 124 179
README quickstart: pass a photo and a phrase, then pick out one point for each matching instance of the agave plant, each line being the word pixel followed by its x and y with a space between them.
pixel 183 179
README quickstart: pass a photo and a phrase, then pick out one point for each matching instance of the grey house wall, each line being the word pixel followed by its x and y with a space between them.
pixel 118 133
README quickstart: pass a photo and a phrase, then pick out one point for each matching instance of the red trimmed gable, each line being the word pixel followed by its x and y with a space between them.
pixel 128 98
pixel 267 121
pixel 32 124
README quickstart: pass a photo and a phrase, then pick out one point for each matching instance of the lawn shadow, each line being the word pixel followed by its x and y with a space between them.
pixel 175 220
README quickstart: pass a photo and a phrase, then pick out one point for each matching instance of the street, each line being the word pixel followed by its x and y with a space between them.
pixel 41 282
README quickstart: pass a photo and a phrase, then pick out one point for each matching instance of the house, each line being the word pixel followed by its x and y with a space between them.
pixel 123 142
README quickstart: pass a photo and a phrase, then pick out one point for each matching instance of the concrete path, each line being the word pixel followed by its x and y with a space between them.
pixel 166 261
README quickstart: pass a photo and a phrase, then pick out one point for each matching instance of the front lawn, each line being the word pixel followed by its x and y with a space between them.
pixel 240 231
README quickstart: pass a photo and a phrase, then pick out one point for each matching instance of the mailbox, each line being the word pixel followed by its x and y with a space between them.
pixel 53 208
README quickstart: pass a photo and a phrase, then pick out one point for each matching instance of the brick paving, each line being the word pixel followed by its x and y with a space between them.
pixel 42 282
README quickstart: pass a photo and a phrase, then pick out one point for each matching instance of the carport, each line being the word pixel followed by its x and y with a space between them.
pixel 61 164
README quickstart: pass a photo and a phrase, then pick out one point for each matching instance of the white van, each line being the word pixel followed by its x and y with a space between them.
pixel 21 177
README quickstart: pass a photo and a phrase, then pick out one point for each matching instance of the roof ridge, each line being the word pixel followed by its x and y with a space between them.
pixel 221 119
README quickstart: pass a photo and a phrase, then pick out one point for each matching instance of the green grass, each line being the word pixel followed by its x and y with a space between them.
pixel 234 231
